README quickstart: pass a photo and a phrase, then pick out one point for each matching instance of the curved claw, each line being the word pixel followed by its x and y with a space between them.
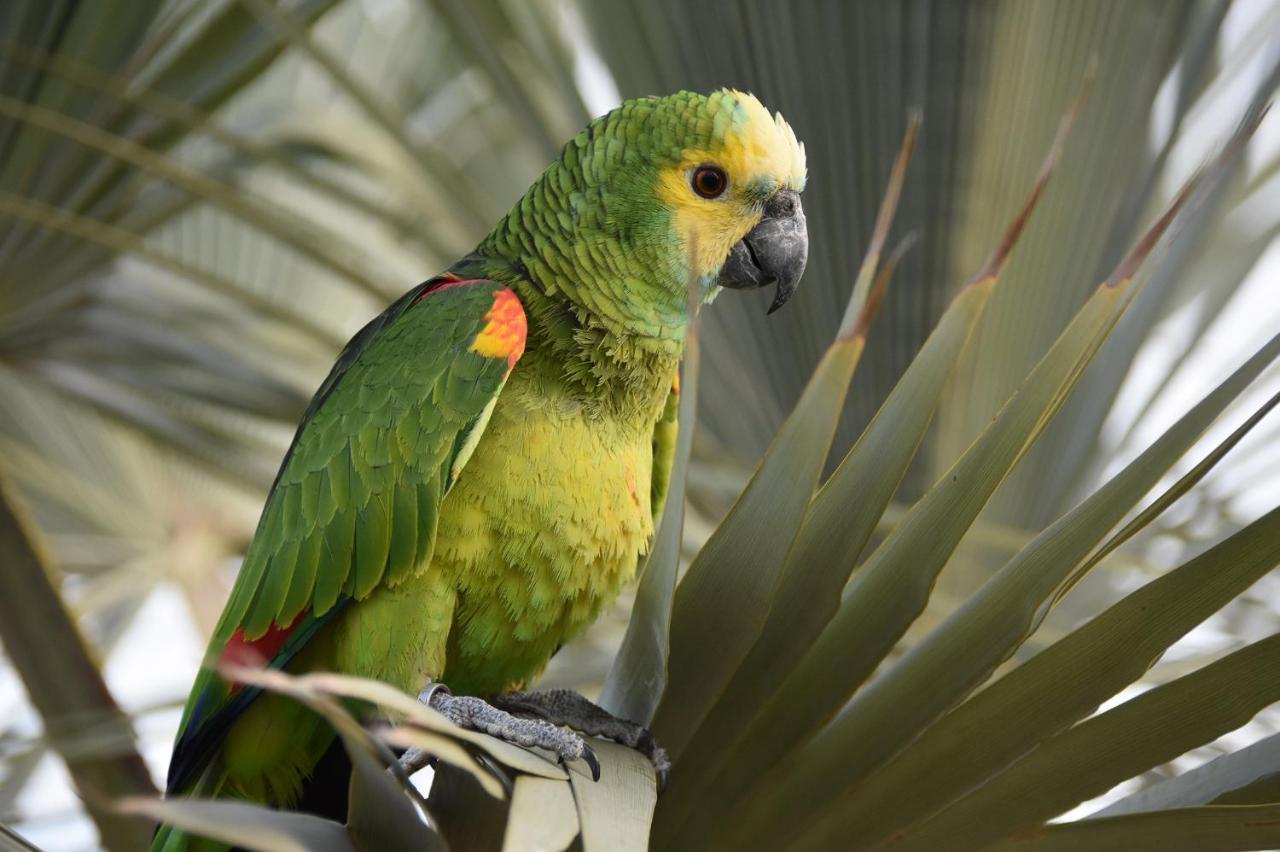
pixel 566 707
pixel 657 755
pixel 589 758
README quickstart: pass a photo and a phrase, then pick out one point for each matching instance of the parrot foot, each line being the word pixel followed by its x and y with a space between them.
pixel 566 707
pixel 414 760
pixel 478 715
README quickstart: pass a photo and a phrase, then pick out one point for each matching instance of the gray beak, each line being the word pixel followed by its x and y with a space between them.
pixel 774 252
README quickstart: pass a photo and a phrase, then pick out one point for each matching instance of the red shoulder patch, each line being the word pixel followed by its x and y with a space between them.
pixel 257 653
pixel 505 330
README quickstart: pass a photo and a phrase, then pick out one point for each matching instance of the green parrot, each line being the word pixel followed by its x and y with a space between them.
pixel 479 474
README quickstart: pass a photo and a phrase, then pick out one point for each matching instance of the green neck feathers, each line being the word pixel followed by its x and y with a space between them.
pixel 595 260
pixel 606 372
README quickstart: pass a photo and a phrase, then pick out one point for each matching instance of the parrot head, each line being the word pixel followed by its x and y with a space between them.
pixel 654 190
pixel 732 187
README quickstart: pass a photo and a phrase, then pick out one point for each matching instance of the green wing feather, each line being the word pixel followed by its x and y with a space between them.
pixel 356 500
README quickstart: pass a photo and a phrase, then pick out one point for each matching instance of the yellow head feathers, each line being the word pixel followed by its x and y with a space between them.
pixel 758 155
pixel 763 145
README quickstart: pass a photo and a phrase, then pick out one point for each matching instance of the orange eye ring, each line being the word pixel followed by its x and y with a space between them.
pixel 709 181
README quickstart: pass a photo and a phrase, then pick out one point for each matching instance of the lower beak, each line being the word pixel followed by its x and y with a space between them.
pixel 774 252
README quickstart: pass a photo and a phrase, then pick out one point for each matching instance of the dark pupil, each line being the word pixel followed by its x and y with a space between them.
pixel 710 182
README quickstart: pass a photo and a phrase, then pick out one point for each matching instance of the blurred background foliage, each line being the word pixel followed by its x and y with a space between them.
pixel 200 200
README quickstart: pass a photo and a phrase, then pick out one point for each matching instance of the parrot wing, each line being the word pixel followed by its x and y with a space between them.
pixel 356 500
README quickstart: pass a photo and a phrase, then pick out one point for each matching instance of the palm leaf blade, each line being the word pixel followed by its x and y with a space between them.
pixel 1100 752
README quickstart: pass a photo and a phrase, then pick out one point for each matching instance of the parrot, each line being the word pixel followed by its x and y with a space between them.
pixel 479 474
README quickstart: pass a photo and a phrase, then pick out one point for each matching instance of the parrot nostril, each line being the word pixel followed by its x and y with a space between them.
pixel 783 205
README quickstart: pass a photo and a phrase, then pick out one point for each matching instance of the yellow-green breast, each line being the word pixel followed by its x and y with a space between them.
pixel 547 521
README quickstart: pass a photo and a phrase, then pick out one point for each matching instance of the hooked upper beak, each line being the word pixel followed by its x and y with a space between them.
pixel 775 251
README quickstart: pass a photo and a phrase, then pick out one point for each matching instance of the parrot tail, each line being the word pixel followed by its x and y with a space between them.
pixel 323 794
pixel 170 839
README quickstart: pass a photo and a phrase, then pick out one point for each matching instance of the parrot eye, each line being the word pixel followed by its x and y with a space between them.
pixel 709 181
